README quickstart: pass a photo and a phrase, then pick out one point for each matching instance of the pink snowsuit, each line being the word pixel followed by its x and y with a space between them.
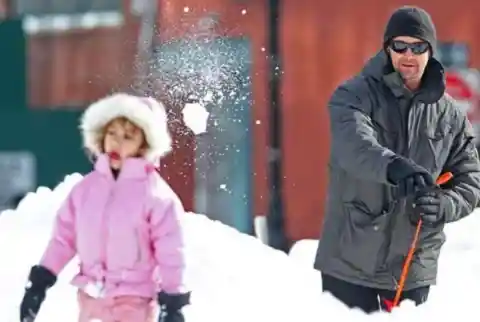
pixel 122 231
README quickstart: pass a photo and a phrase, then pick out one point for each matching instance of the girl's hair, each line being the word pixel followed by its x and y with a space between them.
pixel 124 121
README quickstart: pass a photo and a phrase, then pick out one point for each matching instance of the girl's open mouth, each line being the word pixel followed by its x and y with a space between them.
pixel 114 156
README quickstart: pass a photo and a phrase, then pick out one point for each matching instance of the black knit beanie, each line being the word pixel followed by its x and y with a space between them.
pixel 413 22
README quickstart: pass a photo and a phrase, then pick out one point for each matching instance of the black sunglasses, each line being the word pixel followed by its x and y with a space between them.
pixel 401 47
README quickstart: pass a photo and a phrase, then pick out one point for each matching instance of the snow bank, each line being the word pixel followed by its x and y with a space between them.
pixel 234 276
pixel 458 276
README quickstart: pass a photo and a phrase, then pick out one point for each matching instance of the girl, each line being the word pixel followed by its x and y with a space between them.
pixel 121 219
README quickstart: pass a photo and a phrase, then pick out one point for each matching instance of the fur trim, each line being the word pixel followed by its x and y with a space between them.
pixel 146 113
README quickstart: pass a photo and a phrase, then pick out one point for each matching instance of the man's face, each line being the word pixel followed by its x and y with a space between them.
pixel 409 57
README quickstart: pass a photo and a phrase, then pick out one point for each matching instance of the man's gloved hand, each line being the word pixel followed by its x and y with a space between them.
pixel 432 206
pixel 171 306
pixel 408 176
pixel 40 280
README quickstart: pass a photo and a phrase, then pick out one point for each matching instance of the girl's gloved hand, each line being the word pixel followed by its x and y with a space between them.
pixel 40 280
pixel 171 306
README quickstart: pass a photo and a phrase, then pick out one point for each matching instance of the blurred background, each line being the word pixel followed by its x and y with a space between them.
pixel 263 68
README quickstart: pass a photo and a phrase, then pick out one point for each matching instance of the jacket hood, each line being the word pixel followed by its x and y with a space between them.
pixel 147 113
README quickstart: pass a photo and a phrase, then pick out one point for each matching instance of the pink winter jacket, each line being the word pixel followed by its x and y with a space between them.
pixel 124 232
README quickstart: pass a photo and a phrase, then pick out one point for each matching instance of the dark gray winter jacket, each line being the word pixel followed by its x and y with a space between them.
pixel 366 231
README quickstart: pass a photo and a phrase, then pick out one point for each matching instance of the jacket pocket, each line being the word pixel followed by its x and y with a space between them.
pixel 362 238
pixel 401 237
pixel 142 246
pixel 138 250
pixel 438 142
pixel 425 261
pixel 385 135
pixel 125 249
pixel 429 245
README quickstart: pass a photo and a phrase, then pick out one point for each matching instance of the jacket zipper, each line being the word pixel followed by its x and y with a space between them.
pixel 408 139
pixel 106 235
pixel 405 128
pixel 410 107
pixel 137 245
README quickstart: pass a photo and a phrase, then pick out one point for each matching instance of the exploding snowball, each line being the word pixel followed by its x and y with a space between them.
pixel 195 117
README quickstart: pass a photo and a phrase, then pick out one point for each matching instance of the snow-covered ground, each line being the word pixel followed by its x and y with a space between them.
pixel 234 277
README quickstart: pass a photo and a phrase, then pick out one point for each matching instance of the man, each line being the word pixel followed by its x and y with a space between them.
pixel 394 132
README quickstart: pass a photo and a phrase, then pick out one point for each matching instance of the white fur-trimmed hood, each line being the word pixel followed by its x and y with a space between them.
pixel 146 113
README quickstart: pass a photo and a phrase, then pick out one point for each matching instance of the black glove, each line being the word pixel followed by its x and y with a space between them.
pixel 171 305
pixel 431 206
pixel 40 280
pixel 408 176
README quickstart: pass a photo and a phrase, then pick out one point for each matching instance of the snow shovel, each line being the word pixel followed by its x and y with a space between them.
pixel 389 305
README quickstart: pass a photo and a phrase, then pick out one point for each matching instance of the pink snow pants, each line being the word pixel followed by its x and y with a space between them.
pixel 119 309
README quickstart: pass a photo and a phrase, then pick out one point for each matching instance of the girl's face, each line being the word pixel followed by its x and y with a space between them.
pixel 123 140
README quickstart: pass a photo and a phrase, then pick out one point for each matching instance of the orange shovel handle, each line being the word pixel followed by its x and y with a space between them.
pixel 444 178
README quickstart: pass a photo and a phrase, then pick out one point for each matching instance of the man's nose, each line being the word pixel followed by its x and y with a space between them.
pixel 409 52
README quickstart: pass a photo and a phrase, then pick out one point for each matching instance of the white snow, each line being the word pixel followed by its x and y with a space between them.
pixel 458 277
pixel 234 277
